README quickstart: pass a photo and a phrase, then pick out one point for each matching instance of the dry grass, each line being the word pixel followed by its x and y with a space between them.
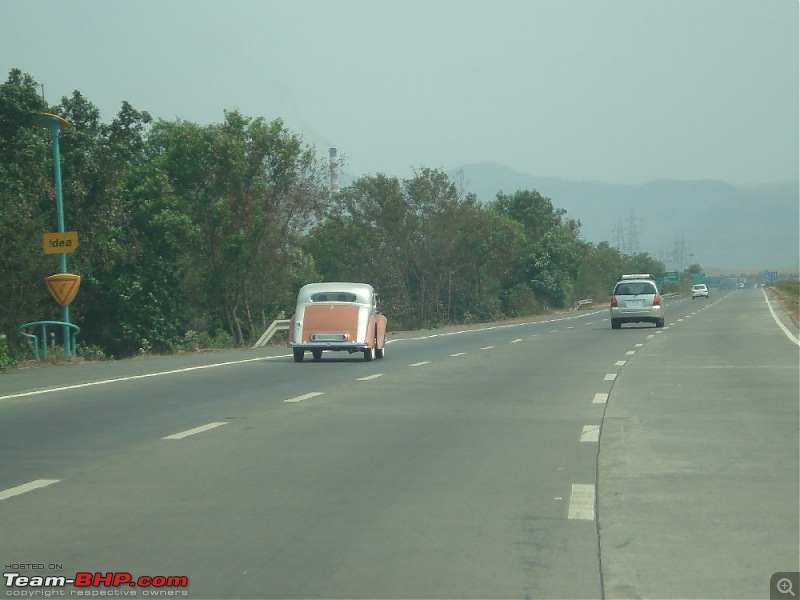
pixel 788 295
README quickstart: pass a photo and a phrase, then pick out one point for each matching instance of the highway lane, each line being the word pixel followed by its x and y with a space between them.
pixel 699 494
pixel 447 469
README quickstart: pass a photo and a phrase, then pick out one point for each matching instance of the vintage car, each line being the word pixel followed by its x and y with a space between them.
pixel 337 316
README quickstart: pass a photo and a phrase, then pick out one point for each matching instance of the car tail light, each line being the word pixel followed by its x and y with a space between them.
pixel 614 302
pixel 657 300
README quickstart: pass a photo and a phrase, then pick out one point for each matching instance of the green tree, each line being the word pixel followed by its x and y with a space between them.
pixel 550 262
pixel 27 206
pixel 248 186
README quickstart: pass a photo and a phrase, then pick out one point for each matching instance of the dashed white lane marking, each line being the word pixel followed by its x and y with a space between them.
pixel 620 363
pixel 188 432
pixel 304 397
pixel 590 433
pixel 419 364
pixel 27 487
pixel 516 341
pixel 638 346
pixel 487 347
pixel 368 377
pixel 610 377
pixel 630 352
pixel 581 502
pixel 458 354
pixel 600 399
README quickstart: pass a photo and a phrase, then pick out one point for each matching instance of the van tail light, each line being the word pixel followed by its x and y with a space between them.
pixel 657 300
pixel 614 302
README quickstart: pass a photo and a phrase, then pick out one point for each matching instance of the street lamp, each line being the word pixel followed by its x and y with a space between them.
pixel 55 124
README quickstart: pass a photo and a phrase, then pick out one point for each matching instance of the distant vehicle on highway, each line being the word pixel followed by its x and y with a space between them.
pixel 636 300
pixel 339 316
pixel 699 290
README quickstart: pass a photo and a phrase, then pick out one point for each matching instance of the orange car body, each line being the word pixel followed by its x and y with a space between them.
pixel 337 316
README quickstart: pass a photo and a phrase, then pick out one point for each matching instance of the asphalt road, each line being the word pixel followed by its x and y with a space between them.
pixel 549 459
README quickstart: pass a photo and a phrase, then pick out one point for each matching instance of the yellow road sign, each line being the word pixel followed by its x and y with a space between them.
pixel 63 287
pixel 60 243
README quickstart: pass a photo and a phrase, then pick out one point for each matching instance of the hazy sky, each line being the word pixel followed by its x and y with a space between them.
pixel 621 91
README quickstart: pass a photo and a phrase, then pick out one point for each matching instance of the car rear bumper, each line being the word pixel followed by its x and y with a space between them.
pixel 631 316
pixel 342 346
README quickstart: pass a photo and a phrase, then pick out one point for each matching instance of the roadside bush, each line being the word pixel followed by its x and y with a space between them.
pixel 7 358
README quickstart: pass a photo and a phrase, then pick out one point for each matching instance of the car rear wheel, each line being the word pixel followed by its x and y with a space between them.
pixel 615 324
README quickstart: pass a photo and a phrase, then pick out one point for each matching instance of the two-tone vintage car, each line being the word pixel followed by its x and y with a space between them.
pixel 337 316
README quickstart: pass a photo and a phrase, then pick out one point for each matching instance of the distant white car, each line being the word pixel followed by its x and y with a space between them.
pixel 699 290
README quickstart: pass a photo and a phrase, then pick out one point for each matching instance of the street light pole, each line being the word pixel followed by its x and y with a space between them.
pixel 54 124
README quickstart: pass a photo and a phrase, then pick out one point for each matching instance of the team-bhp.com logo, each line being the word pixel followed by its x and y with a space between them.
pixel 88 583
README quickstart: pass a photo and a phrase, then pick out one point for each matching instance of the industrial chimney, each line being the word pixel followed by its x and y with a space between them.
pixel 334 171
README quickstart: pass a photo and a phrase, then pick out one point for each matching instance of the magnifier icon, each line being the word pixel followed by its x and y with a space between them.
pixel 784 586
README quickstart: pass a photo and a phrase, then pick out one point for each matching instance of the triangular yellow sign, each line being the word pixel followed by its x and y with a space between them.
pixel 63 287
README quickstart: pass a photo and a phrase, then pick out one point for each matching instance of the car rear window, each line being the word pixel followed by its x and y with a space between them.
pixel 333 297
pixel 634 288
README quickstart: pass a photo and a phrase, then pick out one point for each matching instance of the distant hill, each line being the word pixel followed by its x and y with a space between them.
pixel 722 227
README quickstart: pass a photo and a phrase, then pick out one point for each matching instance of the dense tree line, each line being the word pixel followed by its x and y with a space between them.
pixel 193 236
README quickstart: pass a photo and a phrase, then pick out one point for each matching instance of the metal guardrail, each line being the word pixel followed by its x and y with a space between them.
pixel 587 303
pixel 43 341
pixel 277 325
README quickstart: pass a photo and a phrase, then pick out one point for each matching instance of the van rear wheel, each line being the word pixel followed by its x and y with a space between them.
pixel 298 354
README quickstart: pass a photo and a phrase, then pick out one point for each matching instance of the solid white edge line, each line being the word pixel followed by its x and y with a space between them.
pixel 188 432
pixel 27 487
pixel 133 377
pixel 788 333
pixel 581 502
